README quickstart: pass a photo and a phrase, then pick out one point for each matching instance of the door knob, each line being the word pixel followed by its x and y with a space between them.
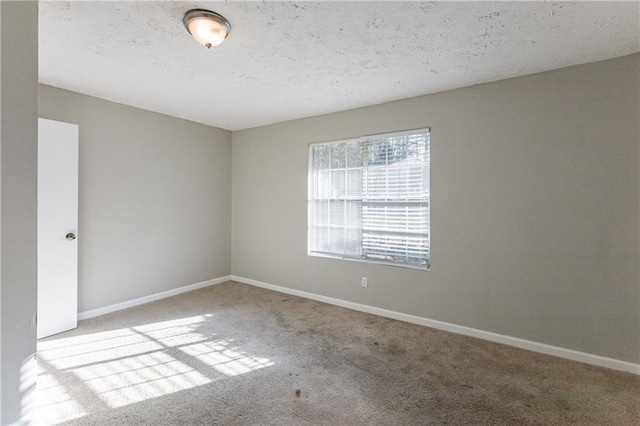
pixel 70 236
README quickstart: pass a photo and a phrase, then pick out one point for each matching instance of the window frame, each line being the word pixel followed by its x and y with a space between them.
pixel 311 171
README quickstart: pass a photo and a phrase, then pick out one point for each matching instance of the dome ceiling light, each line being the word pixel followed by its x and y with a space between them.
pixel 208 28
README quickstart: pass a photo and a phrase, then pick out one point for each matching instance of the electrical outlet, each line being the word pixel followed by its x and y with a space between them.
pixel 365 282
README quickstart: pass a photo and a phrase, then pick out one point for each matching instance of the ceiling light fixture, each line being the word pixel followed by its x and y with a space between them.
pixel 208 28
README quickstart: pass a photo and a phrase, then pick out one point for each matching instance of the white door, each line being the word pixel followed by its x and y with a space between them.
pixel 57 227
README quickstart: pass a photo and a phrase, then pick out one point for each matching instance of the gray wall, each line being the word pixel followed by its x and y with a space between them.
pixel 534 208
pixel 18 201
pixel 154 199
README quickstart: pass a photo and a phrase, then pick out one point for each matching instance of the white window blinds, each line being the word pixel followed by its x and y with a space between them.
pixel 369 199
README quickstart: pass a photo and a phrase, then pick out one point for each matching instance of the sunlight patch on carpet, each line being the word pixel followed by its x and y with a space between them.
pixel 228 361
pixel 138 378
pixel 134 364
pixel 54 402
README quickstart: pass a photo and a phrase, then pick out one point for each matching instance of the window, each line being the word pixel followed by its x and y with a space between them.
pixel 369 199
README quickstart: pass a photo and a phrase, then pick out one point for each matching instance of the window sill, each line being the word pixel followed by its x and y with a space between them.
pixel 375 262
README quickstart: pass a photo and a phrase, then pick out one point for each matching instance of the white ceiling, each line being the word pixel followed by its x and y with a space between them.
pixel 288 60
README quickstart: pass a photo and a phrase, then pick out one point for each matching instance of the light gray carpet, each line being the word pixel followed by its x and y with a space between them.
pixel 236 354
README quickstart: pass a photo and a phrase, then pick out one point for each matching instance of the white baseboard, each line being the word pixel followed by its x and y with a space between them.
pixel 587 358
pixel 151 298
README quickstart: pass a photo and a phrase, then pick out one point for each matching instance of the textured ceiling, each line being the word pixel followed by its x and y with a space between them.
pixel 288 60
